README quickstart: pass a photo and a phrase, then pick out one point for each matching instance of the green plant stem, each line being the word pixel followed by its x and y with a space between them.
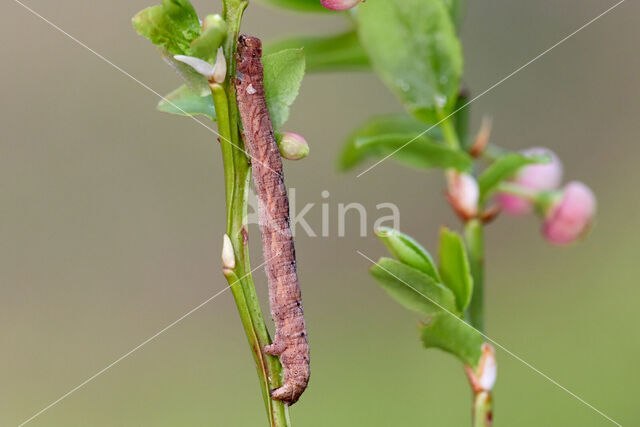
pixel 482 409
pixel 449 133
pixel 221 105
pixel 474 235
pixel 237 172
pixel 517 190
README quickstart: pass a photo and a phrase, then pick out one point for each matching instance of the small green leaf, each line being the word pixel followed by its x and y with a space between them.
pixel 454 267
pixel 504 168
pixel 283 73
pixel 412 288
pixel 183 101
pixel 407 250
pixel 351 155
pixel 453 335
pixel 422 153
pixel 341 52
pixel 206 46
pixel 413 46
pixel 297 5
pixel 173 24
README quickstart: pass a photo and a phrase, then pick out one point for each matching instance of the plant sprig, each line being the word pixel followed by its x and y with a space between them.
pixel 413 46
pixel 203 55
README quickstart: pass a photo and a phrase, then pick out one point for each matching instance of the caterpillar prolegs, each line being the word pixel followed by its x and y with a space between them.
pixel 290 340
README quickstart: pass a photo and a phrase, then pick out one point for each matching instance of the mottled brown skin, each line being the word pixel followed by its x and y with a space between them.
pixel 290 341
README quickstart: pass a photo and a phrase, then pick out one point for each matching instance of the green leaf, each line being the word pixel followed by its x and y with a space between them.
pixel 341 52
pixel 283 73
pixel 351 155
pixel 504 168
pixel 454 267
pixel 408 251
pixel 413 46
pixel 173 24
pixel 297 5
pixel 453 335
pixel 412 288
pixel 456 10
pixel 422 153
pixel 206 46
pixel 183 101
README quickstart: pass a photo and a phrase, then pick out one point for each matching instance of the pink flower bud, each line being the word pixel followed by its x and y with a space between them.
pixel 339 4
pixel 541 177
pixel 464 194
pixel 293 146
pixel 570 215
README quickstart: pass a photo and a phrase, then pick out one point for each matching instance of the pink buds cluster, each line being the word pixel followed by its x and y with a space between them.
pixel 340 4
pixel 567 213
pixel 542 177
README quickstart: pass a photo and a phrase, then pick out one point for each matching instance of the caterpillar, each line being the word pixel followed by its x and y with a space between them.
pixel 290 342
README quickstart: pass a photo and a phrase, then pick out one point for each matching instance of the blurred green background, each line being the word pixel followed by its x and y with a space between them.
pixel 111 218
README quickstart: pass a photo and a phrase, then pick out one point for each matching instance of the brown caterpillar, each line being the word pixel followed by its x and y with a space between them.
pixel 290 341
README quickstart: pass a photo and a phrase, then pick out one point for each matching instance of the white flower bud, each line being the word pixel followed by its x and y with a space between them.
pixel 484 378
pixel 228 254
pixel 220 68
pixel 487 368
pixel 200 66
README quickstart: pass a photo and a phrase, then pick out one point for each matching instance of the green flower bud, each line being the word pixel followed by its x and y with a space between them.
pixel 293 146
pixel 213 21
